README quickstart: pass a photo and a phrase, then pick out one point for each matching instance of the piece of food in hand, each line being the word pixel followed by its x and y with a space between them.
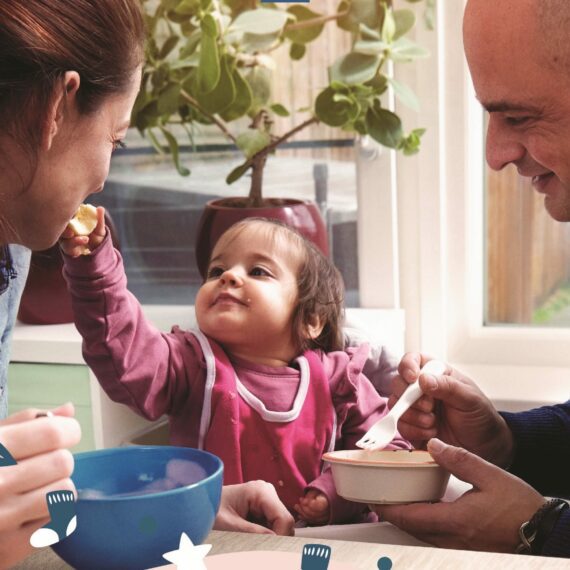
pixel 84 221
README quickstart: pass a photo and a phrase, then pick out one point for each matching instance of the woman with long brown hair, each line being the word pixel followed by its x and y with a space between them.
pixel 69 74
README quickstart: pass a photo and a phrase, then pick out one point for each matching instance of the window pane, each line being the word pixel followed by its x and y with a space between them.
pixel 156 212
pixel 527 255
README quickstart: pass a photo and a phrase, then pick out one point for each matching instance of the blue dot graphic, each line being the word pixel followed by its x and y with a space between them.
pixel 384 563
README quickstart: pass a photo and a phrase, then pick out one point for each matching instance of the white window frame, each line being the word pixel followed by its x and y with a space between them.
pixel 441 221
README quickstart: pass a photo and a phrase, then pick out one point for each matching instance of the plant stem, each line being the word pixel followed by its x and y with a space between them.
pixel 220 124
pixel 315 21
pixel 286 136
pixel 257 162
pixel 255 190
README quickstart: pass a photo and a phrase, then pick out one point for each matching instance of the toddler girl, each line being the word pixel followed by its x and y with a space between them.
pixel 264 383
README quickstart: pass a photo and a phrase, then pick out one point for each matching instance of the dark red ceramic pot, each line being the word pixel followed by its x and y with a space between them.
pixel 45 299
pixel 219 215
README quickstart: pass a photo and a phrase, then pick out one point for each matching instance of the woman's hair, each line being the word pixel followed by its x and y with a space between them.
pixel 320 289
pixel 102 40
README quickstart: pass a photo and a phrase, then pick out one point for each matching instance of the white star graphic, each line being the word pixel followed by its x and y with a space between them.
pixel 188 556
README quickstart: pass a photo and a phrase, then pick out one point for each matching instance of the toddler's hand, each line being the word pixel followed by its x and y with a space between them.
pixel 75 245
pixel 314 507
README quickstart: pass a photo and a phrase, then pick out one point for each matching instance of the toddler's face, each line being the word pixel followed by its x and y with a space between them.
pixel 250 292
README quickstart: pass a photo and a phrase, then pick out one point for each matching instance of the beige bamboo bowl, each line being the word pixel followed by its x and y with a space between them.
pixel 381 477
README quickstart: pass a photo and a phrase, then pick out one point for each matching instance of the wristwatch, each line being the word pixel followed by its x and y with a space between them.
pixel 534 532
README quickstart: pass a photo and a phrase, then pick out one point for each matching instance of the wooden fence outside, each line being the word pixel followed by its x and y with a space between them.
pixel 528 253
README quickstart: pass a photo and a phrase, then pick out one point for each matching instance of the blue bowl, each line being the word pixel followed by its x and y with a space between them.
pixel 135 502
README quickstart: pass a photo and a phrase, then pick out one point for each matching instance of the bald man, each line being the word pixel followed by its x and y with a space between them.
pixel 518 53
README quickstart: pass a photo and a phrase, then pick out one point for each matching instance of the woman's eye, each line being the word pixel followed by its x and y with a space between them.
pixel 118 143
pixel 214 272
pixel 259 272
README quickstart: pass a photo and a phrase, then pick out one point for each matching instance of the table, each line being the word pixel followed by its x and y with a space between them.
pixel 359 555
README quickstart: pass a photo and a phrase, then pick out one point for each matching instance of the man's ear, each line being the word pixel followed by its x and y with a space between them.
pixel 314 327
pixel 64 95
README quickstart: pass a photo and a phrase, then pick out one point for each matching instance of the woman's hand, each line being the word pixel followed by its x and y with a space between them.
pixel 487 517
pixel 43 465
pixel 253 507
pixel 453 409
pixel 314 507
pixel 75 245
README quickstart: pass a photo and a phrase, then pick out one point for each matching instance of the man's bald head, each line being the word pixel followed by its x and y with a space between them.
pixel 544 24
pixel 553 18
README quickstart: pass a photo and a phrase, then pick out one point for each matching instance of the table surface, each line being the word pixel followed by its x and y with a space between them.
pixel 357 555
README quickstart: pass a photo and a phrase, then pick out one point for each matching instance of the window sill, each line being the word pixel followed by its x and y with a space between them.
pixel 61 344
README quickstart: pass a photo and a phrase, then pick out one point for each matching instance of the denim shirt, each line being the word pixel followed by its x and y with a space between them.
pixel 9 301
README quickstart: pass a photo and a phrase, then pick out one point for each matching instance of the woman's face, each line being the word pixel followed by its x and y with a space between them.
pixel 75 165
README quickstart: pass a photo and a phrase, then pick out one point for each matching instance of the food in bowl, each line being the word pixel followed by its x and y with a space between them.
pixel 135 502
pixel 385 477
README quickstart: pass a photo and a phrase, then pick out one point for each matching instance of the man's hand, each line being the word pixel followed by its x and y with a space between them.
pixel 487 517
pixel 253 507
pixel 453 409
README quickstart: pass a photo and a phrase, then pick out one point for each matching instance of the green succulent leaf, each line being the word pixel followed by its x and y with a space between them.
pixel 429 15
pixel 345 22
pixel 365 12
pixel 252 141
pixel 379 83
pixel 192 44
pixel 259 80
pixel 405 94
pixel 383 126
pixel 304 35
pixel 186 7
pixel 169 99
pixel 370 47
pixel 209 26
pixel 404 49
pixel 388 25
pixel 368 34
pixel 279 110
pixel 261 21
pixel 223 94
pixel 154 141
pixel 147 117
pixel 255 43
pixel 405 21
pixel 209 66
pixel 177 18
pixel 243 99
pixel 168 46
pixel 173 144
pixel 354 68
pixel 331 112
pixel 297 51
pixel 238 172
pixel 411 144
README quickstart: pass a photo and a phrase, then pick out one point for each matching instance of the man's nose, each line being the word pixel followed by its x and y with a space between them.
pixel 503 146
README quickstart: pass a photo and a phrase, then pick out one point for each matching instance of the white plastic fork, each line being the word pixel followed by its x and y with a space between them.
pixel 384 430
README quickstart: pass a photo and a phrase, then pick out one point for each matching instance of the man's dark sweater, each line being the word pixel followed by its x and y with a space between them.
pixel 542 459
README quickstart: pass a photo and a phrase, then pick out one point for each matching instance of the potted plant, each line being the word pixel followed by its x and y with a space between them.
pixel 208 62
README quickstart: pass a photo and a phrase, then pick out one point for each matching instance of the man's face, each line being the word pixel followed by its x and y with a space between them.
pixel 526 93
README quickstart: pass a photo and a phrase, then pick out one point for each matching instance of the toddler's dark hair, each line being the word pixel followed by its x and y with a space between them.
pixel 320 289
